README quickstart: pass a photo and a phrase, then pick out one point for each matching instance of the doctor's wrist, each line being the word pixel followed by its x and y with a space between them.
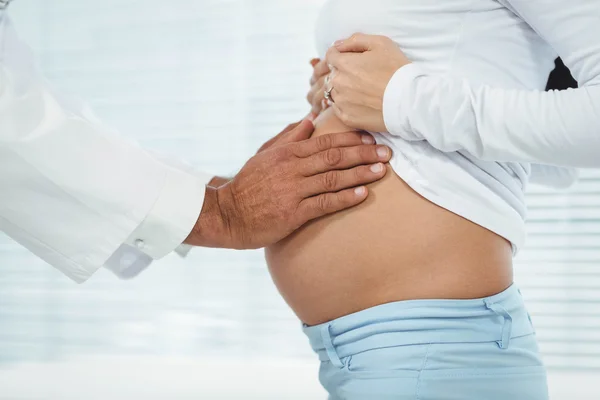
pixel 212 227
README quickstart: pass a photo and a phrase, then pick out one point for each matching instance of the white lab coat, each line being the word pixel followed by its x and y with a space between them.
pixel 76 194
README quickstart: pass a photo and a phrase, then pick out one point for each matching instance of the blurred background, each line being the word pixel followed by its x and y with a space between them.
pixel 209 81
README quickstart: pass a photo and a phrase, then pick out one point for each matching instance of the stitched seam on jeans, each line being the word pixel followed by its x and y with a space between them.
pixel 418 388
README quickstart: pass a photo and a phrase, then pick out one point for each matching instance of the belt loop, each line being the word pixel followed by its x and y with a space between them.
pixel 507 325
pixel 328 343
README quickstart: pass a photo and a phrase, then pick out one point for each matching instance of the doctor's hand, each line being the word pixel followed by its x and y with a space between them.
pixel 362 65
pixel 292 181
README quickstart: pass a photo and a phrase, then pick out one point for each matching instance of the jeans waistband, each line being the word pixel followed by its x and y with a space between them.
pixel 498 318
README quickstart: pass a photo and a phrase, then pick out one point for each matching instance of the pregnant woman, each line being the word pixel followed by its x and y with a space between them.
pixel 411 296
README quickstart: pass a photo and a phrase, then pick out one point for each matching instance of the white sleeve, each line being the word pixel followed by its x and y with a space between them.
pixel 495 124
pixel 75 194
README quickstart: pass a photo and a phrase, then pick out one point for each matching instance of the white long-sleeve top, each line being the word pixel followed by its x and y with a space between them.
pixel 512 123
pixel 469 116
pixel 76 194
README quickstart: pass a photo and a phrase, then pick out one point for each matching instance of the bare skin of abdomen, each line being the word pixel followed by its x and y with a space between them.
pixel 395 246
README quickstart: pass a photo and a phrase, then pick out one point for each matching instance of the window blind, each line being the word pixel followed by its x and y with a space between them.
pixel 559 273
pixel 209 81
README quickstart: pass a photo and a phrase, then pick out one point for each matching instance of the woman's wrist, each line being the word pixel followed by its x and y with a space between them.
pixel 398 101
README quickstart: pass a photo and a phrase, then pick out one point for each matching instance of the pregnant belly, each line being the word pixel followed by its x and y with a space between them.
pixel 395 246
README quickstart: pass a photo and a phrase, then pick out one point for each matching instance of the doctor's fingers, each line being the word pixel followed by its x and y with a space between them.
pixel 335 181
pixel 344 158
pixel 315 145
pixel 329 203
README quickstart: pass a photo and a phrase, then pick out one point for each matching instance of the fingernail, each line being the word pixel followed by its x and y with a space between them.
pixel 338 43
pixel 376 168
pixel 360 191
pixel 368 139
pixel 323 103
pixel 329 103
pixel 383 152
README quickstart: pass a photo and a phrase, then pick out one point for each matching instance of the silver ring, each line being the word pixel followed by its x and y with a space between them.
pixel 329 89
pixel 328 95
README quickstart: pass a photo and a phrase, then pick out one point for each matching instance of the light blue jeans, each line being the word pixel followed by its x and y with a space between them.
pixel 482 349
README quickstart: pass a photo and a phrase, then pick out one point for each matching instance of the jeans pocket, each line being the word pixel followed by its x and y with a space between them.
pixel 406 359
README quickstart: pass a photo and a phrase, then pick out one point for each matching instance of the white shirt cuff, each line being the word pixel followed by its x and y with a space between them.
pixel 173 216
pixel 127 262
pixel 397 101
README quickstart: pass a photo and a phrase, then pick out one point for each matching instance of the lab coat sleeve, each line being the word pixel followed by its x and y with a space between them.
pixel 499 124
pixel 76 194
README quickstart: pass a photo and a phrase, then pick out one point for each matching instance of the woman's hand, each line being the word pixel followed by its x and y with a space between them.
pixel 362 68
pixel 316 95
